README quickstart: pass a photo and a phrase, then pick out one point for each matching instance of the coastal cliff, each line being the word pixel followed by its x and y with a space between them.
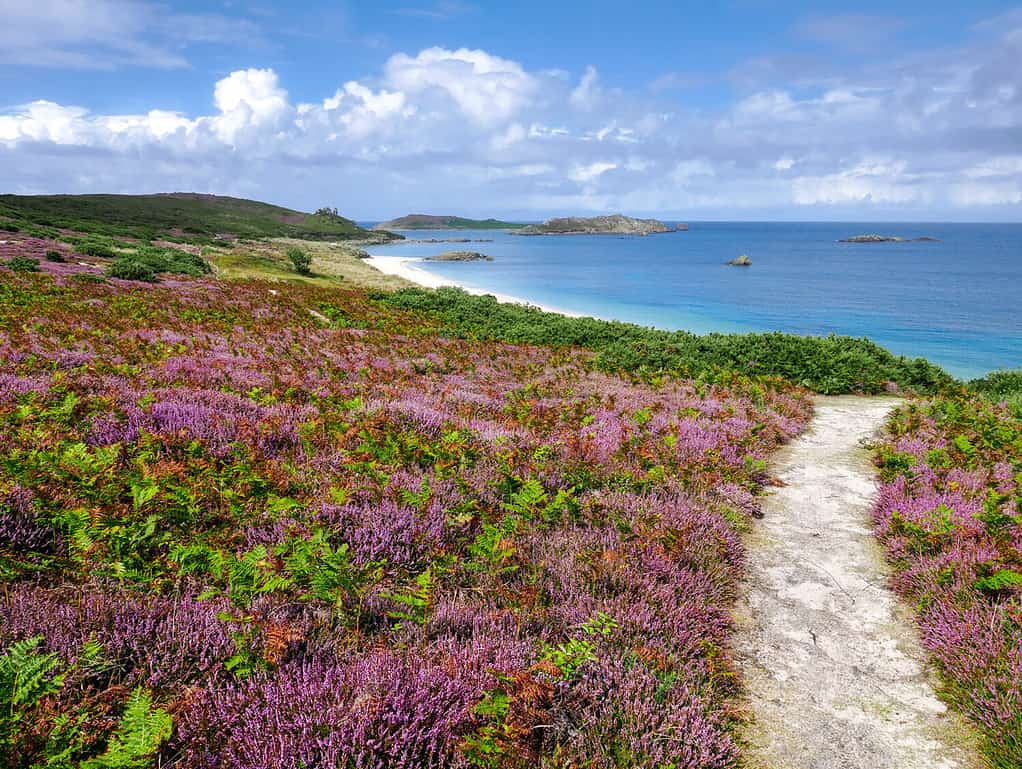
pixel 615 224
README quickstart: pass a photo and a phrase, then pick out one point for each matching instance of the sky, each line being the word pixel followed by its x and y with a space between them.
pixel 737 110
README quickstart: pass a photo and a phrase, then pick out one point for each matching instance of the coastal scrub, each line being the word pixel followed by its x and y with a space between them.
pixel 950 516
pixel 274 525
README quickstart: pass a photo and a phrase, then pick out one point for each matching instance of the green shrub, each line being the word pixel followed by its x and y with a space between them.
pixel 96 248
pixel 1001 386
pixel 833 364
pixel 171 260
pixel 301 260
pixel 23 264
pixel 131 269
pixel 88 277
pixel 54 256
pixel 9 227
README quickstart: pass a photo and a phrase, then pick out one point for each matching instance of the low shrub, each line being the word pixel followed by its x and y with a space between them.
pixel 301 259
pixel 9 227
pixel 88 277
pixel 55 256
pixel 1001 387
pixel 834 364
pixel 171 260
pixel 98 248
pixel 23 264
pixel 132 269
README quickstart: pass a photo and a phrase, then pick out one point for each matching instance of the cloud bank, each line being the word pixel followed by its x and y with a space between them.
pixel 929 135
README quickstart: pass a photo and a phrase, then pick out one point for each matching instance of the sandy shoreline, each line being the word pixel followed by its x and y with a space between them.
pixel 404 267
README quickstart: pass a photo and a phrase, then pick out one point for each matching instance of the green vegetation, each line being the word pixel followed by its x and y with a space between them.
pixel 834 364
pixel 301 260
pixel 267 260
pixel 950 516
pixel 55 256
pixel 427 222
pixel 178 216
pixel 1001 386
pixel 128 269
pixel 23 264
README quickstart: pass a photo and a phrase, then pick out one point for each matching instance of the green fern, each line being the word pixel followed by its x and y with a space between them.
pixel 999 580
pixel 143 728
pixel 25 678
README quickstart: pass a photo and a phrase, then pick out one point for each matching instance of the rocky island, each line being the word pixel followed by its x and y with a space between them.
pixel 459 256
pixel 740 261
pixel 428 222
pixel 886 239
pixel 615 224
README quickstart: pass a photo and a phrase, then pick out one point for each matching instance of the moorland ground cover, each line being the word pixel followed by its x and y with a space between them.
pixel 235 534
pixel 949 515
pixel 295 523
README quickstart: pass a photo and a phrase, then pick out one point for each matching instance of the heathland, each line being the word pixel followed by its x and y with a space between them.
pixel 429 222
pixel 261 506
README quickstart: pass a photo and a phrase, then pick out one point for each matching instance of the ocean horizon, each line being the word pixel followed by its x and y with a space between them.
pixel 954 301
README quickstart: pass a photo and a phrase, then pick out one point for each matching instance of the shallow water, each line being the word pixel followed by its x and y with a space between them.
pixel 957 302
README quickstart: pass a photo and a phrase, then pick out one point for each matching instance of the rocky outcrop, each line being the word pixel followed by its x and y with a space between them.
pixel 740 261
pixel 460 256
pixel 448 240
pixel 886 239
pixel 682 228
pixel 615 224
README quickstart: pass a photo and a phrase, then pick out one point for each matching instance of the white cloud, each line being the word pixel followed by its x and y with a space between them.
pixel 586 173
pixel 587 93
pixel 935 134
pixel 488 89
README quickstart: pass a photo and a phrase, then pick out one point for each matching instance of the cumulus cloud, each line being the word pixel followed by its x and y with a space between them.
pixel 928 134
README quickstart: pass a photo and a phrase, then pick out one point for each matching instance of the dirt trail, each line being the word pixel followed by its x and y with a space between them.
pixel 835 674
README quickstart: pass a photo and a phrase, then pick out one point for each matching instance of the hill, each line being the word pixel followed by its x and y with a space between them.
pixel 179 216
pixel 615 224
pixel 427 222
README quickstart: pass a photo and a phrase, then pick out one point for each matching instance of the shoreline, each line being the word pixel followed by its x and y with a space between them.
pixel 403 267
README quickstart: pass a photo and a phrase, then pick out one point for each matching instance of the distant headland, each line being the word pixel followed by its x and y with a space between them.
pixel 886 239
pixel 615 224
pixel 428 222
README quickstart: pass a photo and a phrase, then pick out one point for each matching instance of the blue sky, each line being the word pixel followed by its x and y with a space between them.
pixel 898 110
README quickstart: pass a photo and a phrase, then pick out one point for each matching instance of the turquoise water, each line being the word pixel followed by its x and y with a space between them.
pixel 957 302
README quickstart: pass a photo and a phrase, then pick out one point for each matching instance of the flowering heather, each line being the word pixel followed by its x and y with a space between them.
pixel 361 543
pixel 949 514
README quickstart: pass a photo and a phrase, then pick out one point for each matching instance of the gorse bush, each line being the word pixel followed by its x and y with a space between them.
pixel 148 262
pixel 300 259
pixel 834 364
pixel 23 264
pixel 1001 386
pixel 55 256
pixel 130 269
pixel 93 247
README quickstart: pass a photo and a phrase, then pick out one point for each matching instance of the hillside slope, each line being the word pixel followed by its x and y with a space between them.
pixel 429 222
pixel 181 214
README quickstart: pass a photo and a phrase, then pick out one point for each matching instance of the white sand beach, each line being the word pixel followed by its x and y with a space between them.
pixel 404 267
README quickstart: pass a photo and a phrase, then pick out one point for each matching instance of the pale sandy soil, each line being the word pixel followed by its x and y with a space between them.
pixel 404 267
pixel 835 675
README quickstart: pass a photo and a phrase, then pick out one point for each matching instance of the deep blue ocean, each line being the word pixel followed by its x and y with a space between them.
pixel 957 302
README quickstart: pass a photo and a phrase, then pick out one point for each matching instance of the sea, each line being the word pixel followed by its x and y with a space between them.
pixel 957 301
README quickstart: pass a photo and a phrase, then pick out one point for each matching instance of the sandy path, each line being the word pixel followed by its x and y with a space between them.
pixel 835 675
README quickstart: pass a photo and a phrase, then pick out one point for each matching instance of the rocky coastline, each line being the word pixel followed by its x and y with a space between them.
pixel 615 224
